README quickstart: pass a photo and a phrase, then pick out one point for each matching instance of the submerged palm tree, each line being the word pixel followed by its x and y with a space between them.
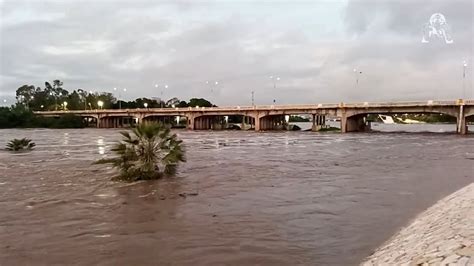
pixel 20 144
pixel 150 152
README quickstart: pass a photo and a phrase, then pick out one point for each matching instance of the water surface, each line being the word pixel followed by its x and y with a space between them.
pixel 282 198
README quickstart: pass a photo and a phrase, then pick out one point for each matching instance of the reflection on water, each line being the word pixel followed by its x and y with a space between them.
pixel 66 139
pixel 281 198
pixel 101 145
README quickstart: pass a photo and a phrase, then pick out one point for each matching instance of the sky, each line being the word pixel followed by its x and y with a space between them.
pixel 223 50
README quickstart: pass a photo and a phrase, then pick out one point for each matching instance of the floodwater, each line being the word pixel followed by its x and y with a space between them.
pixel 282 198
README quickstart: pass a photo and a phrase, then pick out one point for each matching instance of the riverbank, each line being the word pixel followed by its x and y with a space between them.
pixel 443 234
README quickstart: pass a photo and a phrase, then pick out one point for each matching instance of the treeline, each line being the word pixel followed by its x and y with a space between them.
pixel 54 97
pixel 20 117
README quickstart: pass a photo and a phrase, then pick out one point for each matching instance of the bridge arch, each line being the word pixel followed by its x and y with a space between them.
pixel 221 121
pixel 117 121
pixel 172 120
pixel 356 119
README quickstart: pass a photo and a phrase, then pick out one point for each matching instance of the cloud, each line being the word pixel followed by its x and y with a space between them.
pixel 312 46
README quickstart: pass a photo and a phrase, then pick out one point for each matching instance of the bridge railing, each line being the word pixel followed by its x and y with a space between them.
pixel 267 107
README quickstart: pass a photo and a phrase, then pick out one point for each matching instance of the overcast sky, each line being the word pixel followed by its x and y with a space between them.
pixel 312 46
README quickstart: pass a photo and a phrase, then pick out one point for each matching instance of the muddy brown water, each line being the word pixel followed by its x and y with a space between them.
pixel 287 198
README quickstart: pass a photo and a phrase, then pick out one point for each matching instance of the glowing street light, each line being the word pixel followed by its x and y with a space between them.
pixel 100 104
pixel 65 105
pixel 146 105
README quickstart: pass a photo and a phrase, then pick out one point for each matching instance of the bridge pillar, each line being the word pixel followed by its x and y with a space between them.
pixel 190 122
pixel 319 121
pixel 244 121
pixel 355 123
pixel 461 125
pixel 257 123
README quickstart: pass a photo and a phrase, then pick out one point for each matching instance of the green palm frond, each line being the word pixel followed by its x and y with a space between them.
pixel 20 144
pixel 149 151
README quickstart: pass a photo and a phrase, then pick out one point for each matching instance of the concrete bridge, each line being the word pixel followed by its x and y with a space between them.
pixel 353 116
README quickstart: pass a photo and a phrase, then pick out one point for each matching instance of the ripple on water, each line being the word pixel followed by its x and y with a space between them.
pixel 270 198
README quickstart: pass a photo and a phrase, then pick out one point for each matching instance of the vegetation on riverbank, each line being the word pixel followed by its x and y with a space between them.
pixel 150 152
pixel 426 118
pixel 54 97
pixel 20 117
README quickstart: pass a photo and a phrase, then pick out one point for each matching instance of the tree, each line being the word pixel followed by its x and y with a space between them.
pixel 74 101
pixel 25 94
pixel 182 104
pixel 150 152
pixel 56 92
pixel 173 101
pixel 193 102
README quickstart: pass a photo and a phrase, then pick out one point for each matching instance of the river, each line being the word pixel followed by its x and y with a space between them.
pixel 276 198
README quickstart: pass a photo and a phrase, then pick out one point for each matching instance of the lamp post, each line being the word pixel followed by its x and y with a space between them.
pixel 464 66
pixel 253 99
pixel 161 93
pixel 120 96
pixel 55 100
pixel 100 104
pixel 274 79
pixel 357 73
pixel 211 86
pixel 146 105
pixel 65 105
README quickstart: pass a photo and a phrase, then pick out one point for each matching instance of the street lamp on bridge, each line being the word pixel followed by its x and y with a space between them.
pixel 120 96
pixel 100 104
pixel 161 93
pixel 464 66
pixel 357 74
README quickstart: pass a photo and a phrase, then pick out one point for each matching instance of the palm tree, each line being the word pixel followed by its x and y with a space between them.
pixel 20 144
pixel 150 152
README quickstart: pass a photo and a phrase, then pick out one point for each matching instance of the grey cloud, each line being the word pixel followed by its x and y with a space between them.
pixel 135 44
